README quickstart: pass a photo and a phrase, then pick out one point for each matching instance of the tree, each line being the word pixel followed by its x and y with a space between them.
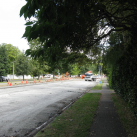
pixel 78 25
pixel 88 67
pixel 75 70
pixel 22 65
pixel 3 61
pixel 38 68
pixel 40 62
pixel 12 54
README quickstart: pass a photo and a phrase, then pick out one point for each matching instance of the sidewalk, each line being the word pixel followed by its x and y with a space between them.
pixel 106 122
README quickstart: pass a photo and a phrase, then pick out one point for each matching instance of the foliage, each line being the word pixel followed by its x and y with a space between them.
pixel 40 65
pixel 12 53
pixel 112 53
pixel 22 65
pixel 38 68
pixel 88 67
pixel 125 77
pixel 78 25
pixel 75 70
pixel 92 16
pixel 127 118
pixel 120 60
pixel 3 61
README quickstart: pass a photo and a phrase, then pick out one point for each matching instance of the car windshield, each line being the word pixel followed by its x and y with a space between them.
pixel 88 74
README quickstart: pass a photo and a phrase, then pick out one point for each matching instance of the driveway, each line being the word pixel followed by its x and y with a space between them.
pixel 24 108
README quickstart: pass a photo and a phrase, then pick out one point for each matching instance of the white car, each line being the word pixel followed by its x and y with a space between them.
pixel 48 76
pixel 4 78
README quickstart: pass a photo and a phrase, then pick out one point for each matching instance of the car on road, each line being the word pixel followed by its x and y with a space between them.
pixel 4 78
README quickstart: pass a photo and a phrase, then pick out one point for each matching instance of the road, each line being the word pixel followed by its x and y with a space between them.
pixel 24 108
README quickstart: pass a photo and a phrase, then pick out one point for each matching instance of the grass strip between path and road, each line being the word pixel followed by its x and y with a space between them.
pixel 126 115
pixel 98 86
pixel 75 121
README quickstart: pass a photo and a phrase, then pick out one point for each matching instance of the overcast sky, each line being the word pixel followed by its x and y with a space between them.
pixel 12 26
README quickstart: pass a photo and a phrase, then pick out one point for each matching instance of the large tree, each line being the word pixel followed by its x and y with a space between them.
pixel 76 24
pixel 22 65
pixel 3 61
pixel 12 53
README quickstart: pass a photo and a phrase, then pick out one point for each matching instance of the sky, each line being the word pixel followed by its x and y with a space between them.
pixel 12 25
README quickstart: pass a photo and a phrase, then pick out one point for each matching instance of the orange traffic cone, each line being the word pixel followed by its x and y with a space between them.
pixel 11 83
pixel 26 81
pixel 22 81
pixel 39 79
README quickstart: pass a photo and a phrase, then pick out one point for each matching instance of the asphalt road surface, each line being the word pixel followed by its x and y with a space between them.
pixel 24 108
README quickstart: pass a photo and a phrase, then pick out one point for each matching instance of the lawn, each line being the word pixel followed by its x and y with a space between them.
pixel 126 116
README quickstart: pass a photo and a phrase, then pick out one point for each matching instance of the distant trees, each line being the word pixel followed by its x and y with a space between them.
pixel 23 65
pixel 38 64
pixel 3 61
pixel 12 53
pixel 75 70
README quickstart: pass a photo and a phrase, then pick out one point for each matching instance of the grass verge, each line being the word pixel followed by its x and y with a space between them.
pixel 98 86
pixel 76 120
pixel 127 117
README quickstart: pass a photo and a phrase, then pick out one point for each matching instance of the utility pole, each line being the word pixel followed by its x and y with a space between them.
pixel 13 69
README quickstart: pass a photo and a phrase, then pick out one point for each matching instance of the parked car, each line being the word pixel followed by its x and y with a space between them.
pixel 4 78
pixel 48 76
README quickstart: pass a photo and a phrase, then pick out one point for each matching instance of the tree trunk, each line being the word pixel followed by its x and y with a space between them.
pixel 23 77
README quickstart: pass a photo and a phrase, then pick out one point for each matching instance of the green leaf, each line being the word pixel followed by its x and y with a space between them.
pixel 29 23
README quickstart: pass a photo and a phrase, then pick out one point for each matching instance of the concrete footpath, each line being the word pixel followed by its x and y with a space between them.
pixel 106 122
